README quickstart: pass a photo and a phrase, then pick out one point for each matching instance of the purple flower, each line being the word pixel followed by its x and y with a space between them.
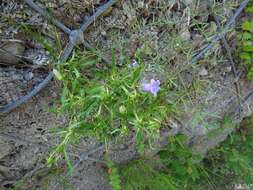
pixel 153 87
pixel 134 64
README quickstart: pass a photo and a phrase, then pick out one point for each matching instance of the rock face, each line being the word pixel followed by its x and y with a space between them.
pixel 209 119
pixel 207 130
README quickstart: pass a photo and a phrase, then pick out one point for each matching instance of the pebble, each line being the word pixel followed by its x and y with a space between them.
pixel 203 72
pixel 228 69
pixel 103 33
pixel 28 76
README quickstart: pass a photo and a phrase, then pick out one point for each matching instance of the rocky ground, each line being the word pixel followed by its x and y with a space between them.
pixel 167 33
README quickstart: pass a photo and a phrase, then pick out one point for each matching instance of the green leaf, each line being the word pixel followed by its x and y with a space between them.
pixel 89 63
pixel 57 74
pixel 114 177
pixel 140 141
pixel 247 48
pixel 250 73
pixel 245 56
pixel 136 75
pixel 247 36
pixel 90 107
pixel 249 9
pixel 248 26
pixel 70 166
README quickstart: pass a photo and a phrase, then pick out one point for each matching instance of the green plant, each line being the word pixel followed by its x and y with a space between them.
pixel 246 49
pixel 181 162
pixel 141 175
pixel 114 177
pixel 107 103
pixel 175 168
pixel 232 160
pixel 228 164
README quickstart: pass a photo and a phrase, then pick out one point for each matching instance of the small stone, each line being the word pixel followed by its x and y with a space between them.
pixel 54 94
pixel 185 35
pixel 203 72
pixel 103 33
pixel 29 76
pixel 228 69
pixel 14 76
